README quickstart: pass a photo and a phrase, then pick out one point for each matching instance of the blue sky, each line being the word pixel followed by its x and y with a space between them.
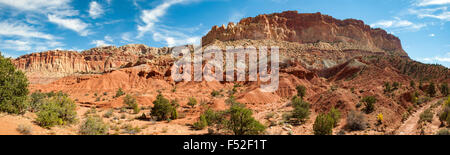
pixel 28 26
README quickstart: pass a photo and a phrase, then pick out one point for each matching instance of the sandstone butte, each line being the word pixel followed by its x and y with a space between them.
pixel 338 61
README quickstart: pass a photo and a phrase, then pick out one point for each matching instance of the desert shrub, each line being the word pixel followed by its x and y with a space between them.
pixel 162 109
pixel 369 103
pixel 36 101
pixel 119 93
pixel 323 125
pixel 201 123
pixel 301 91
pixel 356 121
pixel 301 109
pixel 94 126
pixel 335 114
pixel 443 132
pixel 387 87
pixel 192 102
pixel 174 114
pixel 131 103
pixel 241 121
pixel 24 129
pixel 412 84
pixel 231 100
pixel 431 89
pixel 58 110
pixel 444 115
pixel 395 86
pixel 426 116
pixel 414 97
pixel 213 117
pixel 129 129
pixel 444 89
pixel 109 113
pixel 215 93
pixel 13 88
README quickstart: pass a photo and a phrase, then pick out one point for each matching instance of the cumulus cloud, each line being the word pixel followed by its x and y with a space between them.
pixel 22 30
pixel 107 41
pixel 73 24
pixel 95 10
pixel 398 24
pixel 100 43
pixel 161 33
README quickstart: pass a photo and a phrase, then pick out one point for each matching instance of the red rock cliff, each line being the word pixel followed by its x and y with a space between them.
pixel 307 28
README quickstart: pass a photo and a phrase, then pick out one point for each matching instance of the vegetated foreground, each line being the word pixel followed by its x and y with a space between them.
pixel 336 77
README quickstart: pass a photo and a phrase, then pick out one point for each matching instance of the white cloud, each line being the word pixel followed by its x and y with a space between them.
pixel 108 38
pixel 126 37
pixel 60 7
pixel 440 13
pixel 432 2
pixel 150 17
pixel 73 24
pixel 100 43
pixel 16 45
pixel 22 30
pixel 171 36
pixel 398 24
pixel 432 35
pixel 95 10
pixel 29 45
pixel 437 59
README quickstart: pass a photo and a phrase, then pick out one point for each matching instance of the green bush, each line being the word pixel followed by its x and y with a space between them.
pixel 162 109
pixel 201 123
pixel 119 93
pixel 369 103
pixel 241 122
pixel 443 132
pixel 301 91
pixel 426 116
pixel 131 103
pixel 94 126
pixel 215 93
pixel 444 89
pixel 412 84
pixel 444 115
pixel 58 110
pixel 323 125
pixel 301 109
pixel 213 117
pixel 237 119
pixel 13 88
pixel 356 121
pixel 431 89
pixel 109 113
pixel 387 87
pixel 335 114
pixel 192 102
pixel 36 101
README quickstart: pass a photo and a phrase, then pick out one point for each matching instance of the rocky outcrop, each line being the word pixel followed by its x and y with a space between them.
pixel 57 63
pixel 307 28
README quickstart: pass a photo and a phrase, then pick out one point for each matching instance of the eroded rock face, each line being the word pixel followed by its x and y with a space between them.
pixel 57 63
pixel 307 28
